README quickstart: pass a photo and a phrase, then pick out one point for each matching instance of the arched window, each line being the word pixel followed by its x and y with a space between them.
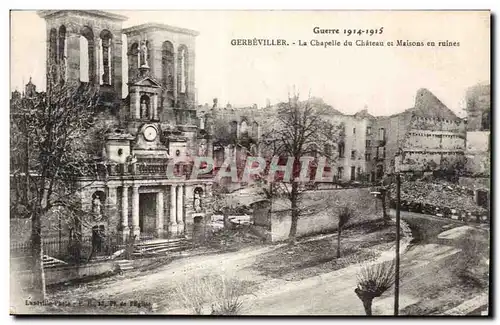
pixel 167 61
pixel 183 65
pixel 87 60
pixel 244 128
pixel 381 134
pixel 53 46
pixel 380 171
pixel 340 172
pixel 328 150
pixel 341 149
pixel 84 59
pixel 105 58
pixel 134 55
pixel 52 69
pixel 485 121
pixel 255 130
pixel 234 129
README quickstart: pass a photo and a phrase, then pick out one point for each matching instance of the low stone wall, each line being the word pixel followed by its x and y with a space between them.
pixel 281 222
pixel 475 182
pixel 319 219
pixel 63 274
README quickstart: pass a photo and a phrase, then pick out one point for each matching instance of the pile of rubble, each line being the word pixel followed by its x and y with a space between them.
pixel 443 199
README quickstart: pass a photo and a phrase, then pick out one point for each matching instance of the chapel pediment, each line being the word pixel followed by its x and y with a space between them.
pixel 147 82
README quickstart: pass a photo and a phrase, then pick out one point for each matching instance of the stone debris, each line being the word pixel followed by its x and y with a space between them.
pixel 441 199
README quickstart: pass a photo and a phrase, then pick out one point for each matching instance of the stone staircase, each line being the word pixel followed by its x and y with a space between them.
pixel 157 247
pixel 125 265
pixel 49 261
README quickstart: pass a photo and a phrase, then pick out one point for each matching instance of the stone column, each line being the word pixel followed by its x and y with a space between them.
pixel 151 108
pixel 111 206
pixel 176 69
pixel 124 220
pixel 159 214
pixel 97 54
pixel 99 60
pixel 173 203
pixel 155 107
pixel 190 74
pixel 137 104
pixel 180 208
pixel 136 230
pixel 115 63
pixel 73 56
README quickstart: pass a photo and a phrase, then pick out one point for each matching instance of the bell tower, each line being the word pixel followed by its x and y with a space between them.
pixel 166 54
pixel 85 46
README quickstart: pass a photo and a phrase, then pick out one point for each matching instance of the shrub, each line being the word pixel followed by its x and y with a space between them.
pixel 471 264
pixel 222 294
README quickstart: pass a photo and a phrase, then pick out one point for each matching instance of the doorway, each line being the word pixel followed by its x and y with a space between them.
pixel 482 199
pixel 147 212
pixel 198 230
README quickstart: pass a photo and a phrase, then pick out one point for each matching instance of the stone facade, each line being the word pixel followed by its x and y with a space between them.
pixel 427 137
pixel 236 132
pixel 171 58
pixel 67 33
pixel 478 149
pixel 156 123
pixel 355 148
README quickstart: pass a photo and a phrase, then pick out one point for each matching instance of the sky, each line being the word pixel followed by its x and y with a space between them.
pixel 382 79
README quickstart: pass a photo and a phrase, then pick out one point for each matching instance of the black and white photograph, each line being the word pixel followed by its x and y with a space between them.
pixel 250 162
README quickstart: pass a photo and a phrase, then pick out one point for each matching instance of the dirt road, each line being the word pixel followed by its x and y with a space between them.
pixel 156 286
pixel 333 293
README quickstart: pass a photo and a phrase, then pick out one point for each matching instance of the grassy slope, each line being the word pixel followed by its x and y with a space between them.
pixel 312 257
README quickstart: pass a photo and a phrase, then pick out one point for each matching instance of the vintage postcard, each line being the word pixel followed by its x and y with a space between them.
pixel 250 162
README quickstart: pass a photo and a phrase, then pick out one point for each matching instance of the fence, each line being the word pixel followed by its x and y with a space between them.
pixel 72 250
pixel 442 212
pixel 78 250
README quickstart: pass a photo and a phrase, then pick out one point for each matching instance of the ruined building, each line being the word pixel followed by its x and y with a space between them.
pixel 478 150
pixel 426 137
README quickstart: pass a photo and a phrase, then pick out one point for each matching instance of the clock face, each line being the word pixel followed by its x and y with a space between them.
pixel 150 133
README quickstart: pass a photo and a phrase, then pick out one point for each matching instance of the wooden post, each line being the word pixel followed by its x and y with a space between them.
pixel 398 224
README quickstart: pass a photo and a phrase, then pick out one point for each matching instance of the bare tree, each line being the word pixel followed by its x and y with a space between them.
pixel 345 214
pixel 54 152
pixel 300 129
pixel 372 281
